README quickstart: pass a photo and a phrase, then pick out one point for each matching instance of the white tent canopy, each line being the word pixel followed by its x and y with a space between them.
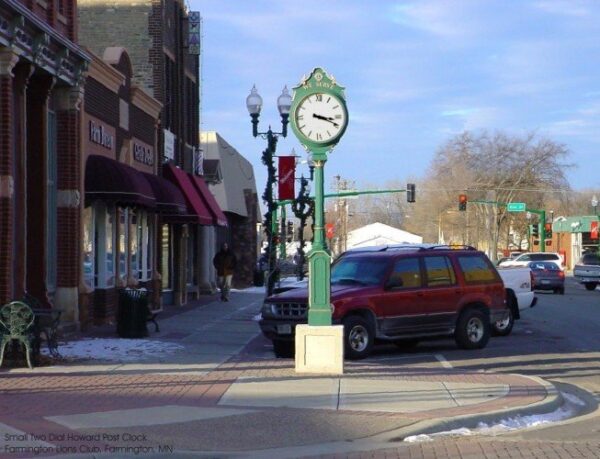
pixel 380 234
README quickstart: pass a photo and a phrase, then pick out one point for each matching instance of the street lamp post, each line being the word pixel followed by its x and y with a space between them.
pixel 303 207
pixel 254 104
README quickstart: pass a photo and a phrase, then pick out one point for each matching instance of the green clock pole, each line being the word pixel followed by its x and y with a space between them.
pixel 319 118
pixel 319 261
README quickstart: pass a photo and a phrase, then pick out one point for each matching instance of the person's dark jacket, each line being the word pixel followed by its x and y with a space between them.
pixel 224 262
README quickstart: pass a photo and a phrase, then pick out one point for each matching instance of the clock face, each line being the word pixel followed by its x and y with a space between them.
pixel 320 117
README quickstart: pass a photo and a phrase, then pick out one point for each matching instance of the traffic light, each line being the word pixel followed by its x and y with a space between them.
pixel 548 230
pixel 290 231
pixel 462 202
pixel 410 192
pixel 535 231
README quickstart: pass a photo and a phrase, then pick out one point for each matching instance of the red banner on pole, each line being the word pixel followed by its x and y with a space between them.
pixel 329 230
pixel 594 230
pixel 287 170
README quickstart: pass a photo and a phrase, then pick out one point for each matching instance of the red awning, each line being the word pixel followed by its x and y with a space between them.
pixel 195 202
pixel 169 198
pixel 219 217
pixel 110 180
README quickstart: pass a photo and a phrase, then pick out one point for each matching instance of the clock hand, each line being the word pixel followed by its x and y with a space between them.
pixel 325 118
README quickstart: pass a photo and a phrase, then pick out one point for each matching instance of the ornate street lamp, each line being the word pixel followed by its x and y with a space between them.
pixel 254 104
pixel 595 204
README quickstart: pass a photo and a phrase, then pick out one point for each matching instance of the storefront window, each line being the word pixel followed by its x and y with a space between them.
pixel 135 228
pixel 88 247
pixel 145 238
pixel 166 258
pixel 109 275
pixel 123 230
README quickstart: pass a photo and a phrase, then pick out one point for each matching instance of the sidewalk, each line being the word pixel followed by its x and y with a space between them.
pixel 216 389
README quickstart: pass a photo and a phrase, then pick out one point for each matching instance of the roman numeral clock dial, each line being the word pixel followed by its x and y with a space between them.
pixel 320 117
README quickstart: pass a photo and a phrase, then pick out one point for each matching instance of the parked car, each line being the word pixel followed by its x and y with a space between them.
pixel 400 294
pixel 525 258
pixel 547 275
pixel 587 270
pixel 518 282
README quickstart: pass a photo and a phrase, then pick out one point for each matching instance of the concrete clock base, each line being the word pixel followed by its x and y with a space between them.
pixel 320 349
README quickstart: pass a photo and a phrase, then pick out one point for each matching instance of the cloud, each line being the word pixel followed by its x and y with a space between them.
pixel 578 8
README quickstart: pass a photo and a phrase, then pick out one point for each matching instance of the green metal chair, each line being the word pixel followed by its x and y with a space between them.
pixel 16 319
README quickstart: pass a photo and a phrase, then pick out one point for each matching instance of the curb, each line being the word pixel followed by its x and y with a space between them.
pixel 552 401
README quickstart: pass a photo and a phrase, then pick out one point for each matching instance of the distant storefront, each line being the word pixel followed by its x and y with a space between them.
pixel 572 236
pixel 119 212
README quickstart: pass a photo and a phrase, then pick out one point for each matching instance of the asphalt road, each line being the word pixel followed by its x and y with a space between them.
pixel 558 340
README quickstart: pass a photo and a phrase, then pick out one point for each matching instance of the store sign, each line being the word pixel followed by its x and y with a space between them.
pixel 99 135
pixel 143 154
pixel 594 230
pixel 198 161
pixel 169 144
pixel 194 32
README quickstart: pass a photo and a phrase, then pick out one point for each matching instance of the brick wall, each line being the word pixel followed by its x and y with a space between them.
pixel 6 207
pixel 68 218
pixel 115 23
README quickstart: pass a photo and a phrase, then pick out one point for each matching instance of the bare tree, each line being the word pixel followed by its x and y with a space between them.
pixel 499 168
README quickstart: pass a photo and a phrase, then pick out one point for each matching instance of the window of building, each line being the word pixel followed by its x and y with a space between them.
pixel 166 258
pixel 439 271
pixel 89 259
pixel 144 231
pixel 123 238
pixel 99 258
pixel 134 230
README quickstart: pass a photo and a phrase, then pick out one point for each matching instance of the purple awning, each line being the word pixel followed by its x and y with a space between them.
pixel 110 180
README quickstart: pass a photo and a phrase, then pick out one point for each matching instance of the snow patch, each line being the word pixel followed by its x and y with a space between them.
pixel 115 349
pixel 567 410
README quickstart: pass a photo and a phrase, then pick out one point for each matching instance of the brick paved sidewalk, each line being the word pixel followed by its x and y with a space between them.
pixel 186 410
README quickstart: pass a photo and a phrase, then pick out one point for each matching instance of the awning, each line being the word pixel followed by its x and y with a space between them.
pixel 195 202
pixel 169 198
pixel 110 180
pixel 219 218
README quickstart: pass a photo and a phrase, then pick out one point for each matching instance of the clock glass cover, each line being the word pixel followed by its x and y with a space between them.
pixel 320 117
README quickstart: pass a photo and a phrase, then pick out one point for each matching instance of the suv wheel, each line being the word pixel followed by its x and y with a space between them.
pixel 358 337
pixel 283 349
pixel 590 286
pixel 472 330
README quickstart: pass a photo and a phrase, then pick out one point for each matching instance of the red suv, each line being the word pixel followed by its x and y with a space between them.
pixel 400 294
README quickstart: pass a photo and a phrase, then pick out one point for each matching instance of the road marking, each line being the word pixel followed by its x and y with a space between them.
pixel 443 361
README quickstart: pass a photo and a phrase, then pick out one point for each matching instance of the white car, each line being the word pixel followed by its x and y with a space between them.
pixel 525 258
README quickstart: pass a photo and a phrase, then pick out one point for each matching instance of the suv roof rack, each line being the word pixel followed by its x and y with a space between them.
pixel 407 246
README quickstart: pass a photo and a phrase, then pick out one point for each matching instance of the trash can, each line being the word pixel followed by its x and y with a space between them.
pixel 132 314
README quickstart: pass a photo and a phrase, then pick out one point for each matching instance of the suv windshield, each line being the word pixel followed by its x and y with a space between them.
pixel 359 270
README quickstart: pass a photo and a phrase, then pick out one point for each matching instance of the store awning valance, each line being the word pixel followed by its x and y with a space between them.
pixel 219 218
pixel 110 180
pixel 196 205
pixel 169 198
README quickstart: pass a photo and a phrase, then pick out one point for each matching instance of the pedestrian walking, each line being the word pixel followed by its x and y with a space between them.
pixel 225 263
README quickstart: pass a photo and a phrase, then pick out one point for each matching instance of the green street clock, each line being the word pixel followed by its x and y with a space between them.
pixel 318 114
pixel 319 118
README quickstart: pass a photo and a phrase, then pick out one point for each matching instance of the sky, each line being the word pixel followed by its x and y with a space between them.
pixel 416 73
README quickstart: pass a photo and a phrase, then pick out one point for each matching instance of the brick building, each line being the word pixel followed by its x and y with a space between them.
pixel 120 210
pixel 41 71
pixel 155 33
